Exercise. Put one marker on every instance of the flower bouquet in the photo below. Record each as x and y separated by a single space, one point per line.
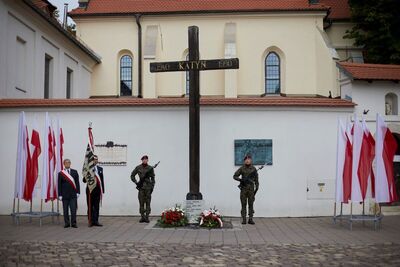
173 217
211 219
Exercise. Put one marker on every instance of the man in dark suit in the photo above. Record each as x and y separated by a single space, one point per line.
68 192
95 196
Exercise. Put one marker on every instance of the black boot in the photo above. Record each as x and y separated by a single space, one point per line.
146 219
251 220
142 220
243 220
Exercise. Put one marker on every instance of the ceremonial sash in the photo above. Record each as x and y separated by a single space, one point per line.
98 181
69 178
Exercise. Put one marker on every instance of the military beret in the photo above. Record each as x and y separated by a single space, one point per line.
144 157
248 156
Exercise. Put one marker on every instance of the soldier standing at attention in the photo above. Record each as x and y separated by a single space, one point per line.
248 186
145 185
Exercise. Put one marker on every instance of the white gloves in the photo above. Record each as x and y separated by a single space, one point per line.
60 197
77 195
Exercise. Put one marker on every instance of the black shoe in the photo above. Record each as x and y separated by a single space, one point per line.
251 221
97 224
74 226
244 220
142 220
67 226
146 220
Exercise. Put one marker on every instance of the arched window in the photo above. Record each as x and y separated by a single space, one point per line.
125 70
187 79
391 106
272 74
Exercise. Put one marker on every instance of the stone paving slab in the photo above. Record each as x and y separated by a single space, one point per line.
24 253
319 230
123 241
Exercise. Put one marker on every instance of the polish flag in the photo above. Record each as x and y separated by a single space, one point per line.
35 145
343 164
385 149
22 171
367 155
60 151
356 195
48 184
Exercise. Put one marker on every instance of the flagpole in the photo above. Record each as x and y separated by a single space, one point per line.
30 211
58 211
363 212
341 211
14 210
52 210
41 210
17 211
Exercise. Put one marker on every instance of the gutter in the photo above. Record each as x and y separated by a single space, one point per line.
140 63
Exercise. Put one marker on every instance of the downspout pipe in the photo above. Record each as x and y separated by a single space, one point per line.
140 65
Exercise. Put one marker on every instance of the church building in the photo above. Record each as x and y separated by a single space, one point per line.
295 79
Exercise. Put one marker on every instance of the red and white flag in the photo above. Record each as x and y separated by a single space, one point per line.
385 149
365 169
49 161
60 151
34 173
356 195
343 163
22 171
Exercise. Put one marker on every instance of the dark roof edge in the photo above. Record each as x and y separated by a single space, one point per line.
198 12
67 34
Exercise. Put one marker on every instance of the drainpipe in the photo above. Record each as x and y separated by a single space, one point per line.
138 16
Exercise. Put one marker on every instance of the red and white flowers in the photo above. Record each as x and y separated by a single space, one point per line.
211 218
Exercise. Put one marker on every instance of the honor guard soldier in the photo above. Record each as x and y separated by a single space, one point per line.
68 191
248 187
145 185
93 198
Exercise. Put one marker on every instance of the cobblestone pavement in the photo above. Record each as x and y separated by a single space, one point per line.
272 241
131 254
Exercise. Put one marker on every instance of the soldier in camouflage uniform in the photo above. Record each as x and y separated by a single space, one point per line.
145 185
248 186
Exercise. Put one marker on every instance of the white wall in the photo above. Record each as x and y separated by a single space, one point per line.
304 148
25 38
372 96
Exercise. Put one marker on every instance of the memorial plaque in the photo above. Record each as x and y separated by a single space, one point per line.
111 154
259 149
193 210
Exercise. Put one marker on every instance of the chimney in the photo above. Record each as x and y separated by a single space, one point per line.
83 3
65 16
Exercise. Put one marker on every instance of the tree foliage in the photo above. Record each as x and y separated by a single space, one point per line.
376 29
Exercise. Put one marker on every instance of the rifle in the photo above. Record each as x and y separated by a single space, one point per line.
244 182
139 184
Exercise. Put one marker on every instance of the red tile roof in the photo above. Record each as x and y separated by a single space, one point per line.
140 102
358 71
102 7
340 9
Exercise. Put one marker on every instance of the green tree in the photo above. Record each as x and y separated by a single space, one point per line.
376 29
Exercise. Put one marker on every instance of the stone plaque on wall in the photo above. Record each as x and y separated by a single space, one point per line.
259 149
111 154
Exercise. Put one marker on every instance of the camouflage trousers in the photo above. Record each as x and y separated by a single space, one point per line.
144 196
247 196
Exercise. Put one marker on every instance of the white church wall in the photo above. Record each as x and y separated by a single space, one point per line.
371 96
304 152
25 39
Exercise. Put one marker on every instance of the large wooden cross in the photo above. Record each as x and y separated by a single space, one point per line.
194 65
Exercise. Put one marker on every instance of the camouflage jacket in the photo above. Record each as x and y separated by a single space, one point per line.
248 173
144 172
